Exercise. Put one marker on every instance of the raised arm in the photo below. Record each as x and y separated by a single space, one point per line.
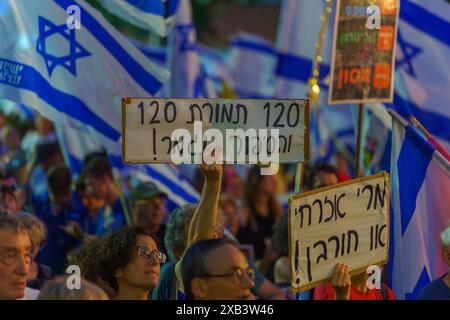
203 223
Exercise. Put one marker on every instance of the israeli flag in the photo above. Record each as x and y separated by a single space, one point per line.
298 33
156 54
155 15
423 65
72 73
420 189
216 66
191 80
376 140
254 62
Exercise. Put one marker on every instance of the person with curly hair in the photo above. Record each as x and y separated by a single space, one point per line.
90 260
131 260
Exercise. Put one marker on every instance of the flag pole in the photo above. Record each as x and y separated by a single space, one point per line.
299 177
359 140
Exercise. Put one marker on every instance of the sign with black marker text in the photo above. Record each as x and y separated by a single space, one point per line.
181 130
346 223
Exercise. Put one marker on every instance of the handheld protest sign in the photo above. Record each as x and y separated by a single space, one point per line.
346 223
363 56
238 130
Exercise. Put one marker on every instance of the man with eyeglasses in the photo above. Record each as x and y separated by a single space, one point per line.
148 209
214 269
15 257
131 263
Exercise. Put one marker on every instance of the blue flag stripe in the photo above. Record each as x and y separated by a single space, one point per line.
134 69
425 21
173 5
148 6
72 106
240 43
438 125
117 162
298 68
171 185
411 174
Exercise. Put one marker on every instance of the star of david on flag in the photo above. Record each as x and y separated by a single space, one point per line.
77 78
47 30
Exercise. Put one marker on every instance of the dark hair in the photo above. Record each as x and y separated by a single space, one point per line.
59 178
280 237
90 259
11 222
118 249
95 154
195 262
251 188
315 170
97 167
44 151
6 190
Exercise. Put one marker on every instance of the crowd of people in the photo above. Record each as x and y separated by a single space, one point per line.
232 244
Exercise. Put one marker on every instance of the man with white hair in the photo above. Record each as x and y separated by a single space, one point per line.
439 289
15 257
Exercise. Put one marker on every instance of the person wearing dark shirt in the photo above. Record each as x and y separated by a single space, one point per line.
148 209
100 184
55 215
260 212
439 289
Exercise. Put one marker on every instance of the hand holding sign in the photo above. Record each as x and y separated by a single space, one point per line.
341 282
346 223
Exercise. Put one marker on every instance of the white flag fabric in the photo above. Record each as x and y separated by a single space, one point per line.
420 211
423 65
190 80
77 78
254 61
154 15
298 33
72 76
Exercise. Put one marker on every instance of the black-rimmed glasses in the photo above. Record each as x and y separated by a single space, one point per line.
240 274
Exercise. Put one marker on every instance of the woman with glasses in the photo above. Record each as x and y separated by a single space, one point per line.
131 259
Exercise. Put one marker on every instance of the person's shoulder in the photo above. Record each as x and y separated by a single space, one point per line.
167 280
428 291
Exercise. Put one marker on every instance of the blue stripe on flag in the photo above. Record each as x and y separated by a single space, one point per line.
438 125
65 103
245 44
135 70
172 9
75 164
298 68
412 173
148 6
423 20
176 189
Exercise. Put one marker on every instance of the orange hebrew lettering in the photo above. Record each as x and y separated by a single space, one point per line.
385 38
382 76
